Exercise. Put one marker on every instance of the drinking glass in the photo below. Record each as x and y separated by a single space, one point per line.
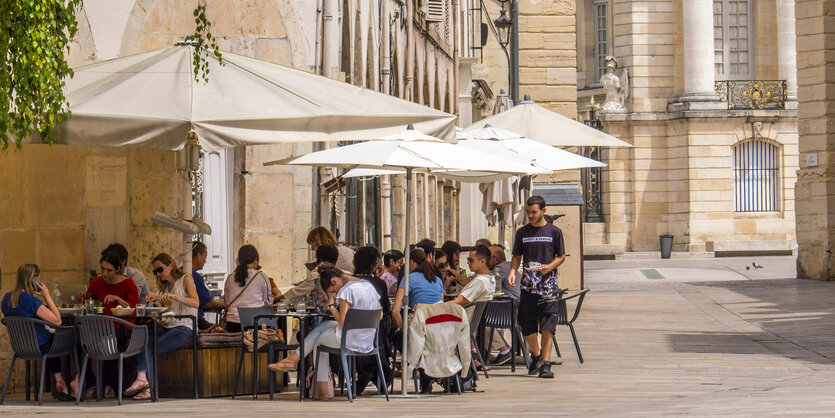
301 307
140 309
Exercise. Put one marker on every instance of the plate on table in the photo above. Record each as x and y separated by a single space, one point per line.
155 310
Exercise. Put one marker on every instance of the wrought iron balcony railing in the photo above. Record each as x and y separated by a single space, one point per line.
753 94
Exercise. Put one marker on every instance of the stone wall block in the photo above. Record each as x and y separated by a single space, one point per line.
19 246
151 195
548 58
104 226
172 16
106 181
148 162
278 51
146 243
274 248
61 249
259 17
53 185
11 205
270 201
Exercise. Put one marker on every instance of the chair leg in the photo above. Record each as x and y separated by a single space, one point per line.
556 347
81 379
151 382
43 373
121 373
315 370
523 346
490 343
238 372
458 382
8 378
381 377
347 377
481 359
414 377
472 365
271 374
576 345
99 378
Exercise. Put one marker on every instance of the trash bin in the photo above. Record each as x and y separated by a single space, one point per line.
666 245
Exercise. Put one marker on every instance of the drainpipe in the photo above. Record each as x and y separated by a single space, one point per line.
410 51
385 181
315 194
455 24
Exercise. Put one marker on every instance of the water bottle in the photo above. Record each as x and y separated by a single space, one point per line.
56 296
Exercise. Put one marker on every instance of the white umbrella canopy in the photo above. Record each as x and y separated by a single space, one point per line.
151 100
409 151
538 123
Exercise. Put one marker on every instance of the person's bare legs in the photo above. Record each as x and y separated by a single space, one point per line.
533 343
546 345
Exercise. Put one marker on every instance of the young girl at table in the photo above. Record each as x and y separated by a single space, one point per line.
350 293
112 289
246 287
23 301
177 289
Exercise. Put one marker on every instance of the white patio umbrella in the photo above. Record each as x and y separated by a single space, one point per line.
150 100
538 123
408 151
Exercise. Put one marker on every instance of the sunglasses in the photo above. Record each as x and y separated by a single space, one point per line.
158 270
442 265
470 259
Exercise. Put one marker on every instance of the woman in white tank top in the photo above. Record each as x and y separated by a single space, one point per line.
178 292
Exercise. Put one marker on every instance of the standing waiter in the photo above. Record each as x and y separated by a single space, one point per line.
541 245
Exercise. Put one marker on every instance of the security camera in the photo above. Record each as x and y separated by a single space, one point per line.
195 226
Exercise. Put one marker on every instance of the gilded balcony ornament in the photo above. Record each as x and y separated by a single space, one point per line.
753 94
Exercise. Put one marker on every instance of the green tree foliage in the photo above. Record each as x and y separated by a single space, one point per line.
34 36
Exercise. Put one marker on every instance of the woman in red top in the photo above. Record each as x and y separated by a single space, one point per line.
112 289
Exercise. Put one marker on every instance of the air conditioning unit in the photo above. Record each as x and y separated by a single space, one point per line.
434 10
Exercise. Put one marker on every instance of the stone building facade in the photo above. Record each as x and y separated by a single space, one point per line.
62 204
711 112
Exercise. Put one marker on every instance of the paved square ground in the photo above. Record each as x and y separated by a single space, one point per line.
695 337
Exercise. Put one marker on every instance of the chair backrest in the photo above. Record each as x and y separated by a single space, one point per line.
247 316
100 341
23 336
361 319
478 314
498 314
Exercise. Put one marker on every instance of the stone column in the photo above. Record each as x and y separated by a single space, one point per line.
698 51
787 46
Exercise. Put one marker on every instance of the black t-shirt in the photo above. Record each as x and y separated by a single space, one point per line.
382 289
541 244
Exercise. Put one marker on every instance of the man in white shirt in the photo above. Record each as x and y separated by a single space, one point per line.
481 287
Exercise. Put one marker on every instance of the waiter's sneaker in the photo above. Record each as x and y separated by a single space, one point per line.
502 358
545 371
534 366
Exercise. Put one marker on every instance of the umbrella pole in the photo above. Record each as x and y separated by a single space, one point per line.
404 364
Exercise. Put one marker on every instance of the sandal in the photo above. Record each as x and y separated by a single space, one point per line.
140 388
143 396
282 366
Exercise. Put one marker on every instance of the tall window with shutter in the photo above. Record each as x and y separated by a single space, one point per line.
733 39
601 35
756 176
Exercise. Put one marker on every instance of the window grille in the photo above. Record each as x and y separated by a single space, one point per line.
601 39
756 177
732 39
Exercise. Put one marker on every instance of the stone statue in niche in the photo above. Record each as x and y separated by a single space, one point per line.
616 86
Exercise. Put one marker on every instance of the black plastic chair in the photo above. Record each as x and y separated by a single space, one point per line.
475 323
247 317
24 341
100 343
562 319
501 314
356 319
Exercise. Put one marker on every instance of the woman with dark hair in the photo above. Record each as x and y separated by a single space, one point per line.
112 289
23 301
393 262
350 293
452 250
424 286
246 287
176 290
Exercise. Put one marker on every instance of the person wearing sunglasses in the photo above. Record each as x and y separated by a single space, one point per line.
393 262
176 290
482 286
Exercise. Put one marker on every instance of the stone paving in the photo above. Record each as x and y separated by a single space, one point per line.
702 337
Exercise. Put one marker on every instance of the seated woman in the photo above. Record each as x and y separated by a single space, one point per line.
350 293
176 289
112 289
324 254
23 301
247 287
393 261
424 286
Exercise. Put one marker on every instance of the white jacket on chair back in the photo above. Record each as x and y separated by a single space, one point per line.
438 333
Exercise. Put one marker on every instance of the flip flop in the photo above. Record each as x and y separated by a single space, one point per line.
136 390
277 367
143 396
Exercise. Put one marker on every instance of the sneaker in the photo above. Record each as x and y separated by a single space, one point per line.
545 371
502 359
535 363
